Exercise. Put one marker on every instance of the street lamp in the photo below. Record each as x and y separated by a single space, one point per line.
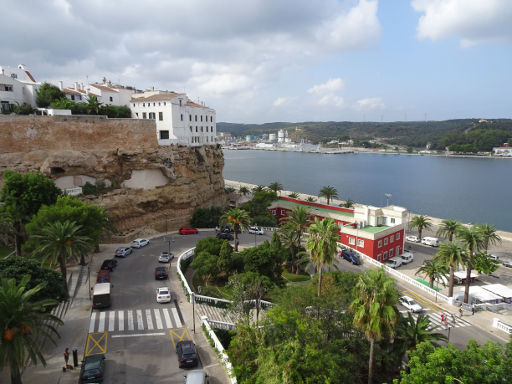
388 195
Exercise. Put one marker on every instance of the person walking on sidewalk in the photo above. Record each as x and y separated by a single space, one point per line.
66 359
454 318
473 309
460 310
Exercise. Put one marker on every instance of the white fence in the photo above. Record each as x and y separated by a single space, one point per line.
73 191
497 323
220 349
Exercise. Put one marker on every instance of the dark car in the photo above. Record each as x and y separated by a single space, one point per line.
109 264
93 368
123 251
187 356
350 256
225 236
103 276
226 229
161 273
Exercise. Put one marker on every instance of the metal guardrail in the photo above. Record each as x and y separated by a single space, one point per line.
497 323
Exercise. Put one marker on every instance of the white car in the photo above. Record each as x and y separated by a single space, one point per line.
394 263
165 257
138 243
256 230
412 239
163 295
410 304
407 257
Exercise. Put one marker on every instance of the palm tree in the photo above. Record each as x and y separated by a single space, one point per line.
311 199
296 223
348 204
471 239
93 105
432 270
421 222
329 193
293 195
323 236
23 322
240 220
60 242
450 254
489 235
417 331
448 228
258 188
374 309
276 186
243 191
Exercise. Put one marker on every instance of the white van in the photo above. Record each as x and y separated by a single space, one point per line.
407 257
197 376
432 241
101 295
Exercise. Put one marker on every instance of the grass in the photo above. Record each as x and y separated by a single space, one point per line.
292 277
4 251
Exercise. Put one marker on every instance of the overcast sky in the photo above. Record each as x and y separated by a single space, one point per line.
258 61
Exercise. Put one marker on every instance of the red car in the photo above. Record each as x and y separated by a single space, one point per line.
103 276
188 231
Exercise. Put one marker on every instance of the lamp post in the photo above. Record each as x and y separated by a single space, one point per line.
388 195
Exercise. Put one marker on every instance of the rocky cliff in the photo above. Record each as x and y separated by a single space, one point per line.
151 186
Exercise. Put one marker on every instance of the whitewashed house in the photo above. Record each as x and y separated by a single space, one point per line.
178 119
506 150
17 85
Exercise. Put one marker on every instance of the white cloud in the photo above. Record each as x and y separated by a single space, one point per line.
331 85
370 103
471 21
280 101
331 100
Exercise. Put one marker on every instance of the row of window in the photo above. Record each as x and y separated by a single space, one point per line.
283 212
6 87
154 104
195 118
391 239
197 129
151 115
352 241
206 139
386 254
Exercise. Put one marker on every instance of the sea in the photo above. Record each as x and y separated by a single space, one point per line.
468 189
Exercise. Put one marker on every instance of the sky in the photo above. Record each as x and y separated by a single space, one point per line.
257 61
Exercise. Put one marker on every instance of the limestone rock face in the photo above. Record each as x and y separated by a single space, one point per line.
151 186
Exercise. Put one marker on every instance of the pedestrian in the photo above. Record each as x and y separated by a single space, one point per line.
454 317
473 309
442 317
460 310
216 229
66 359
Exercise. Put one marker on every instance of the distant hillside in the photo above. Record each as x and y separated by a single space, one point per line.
469 134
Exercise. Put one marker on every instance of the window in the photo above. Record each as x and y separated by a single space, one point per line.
143 104
378 257
154 104
212 129
196 128
160 116
143 115
190 117
191 129
360 243
165 103
385 255
6 87
211 119
385 241
201 129
206 128
152 115
206 138
390 253
79 97
398 236
351 241
213 140
274 212
111 98
283 212
180 102
164 135
72 97
391 238
196 117
158 103
392 220
137 114
379 244
134 104
182 117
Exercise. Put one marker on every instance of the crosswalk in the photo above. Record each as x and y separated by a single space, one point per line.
135 320
435 319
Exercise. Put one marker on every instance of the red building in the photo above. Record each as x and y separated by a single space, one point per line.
373 231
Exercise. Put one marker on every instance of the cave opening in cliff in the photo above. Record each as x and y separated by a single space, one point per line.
56 170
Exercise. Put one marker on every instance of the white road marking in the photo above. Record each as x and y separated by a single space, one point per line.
111 320
140 334
140 324
167 318
120 316
149 320
176 317
92 322
130 320
158 319
101 325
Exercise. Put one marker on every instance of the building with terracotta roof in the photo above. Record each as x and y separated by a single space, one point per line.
106 93
17 86
178 119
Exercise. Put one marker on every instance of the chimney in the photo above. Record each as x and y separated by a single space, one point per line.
60 85
82 86
76 86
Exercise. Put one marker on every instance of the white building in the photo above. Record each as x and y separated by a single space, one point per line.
107 94
502 151
17 85
178 120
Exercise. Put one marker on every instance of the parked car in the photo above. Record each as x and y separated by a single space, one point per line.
187 355
161 273
394 263
188 231
165 257
412 239
494 257
163 295
103 276
507 264
197 376
407 257
350 256
109 264
226 229
410 304
123 251
225 235
432 241
93 369
256 231
138 243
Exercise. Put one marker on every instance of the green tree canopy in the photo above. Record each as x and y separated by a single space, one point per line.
239 219
258 207
421 222
329 193
48 93
450 255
